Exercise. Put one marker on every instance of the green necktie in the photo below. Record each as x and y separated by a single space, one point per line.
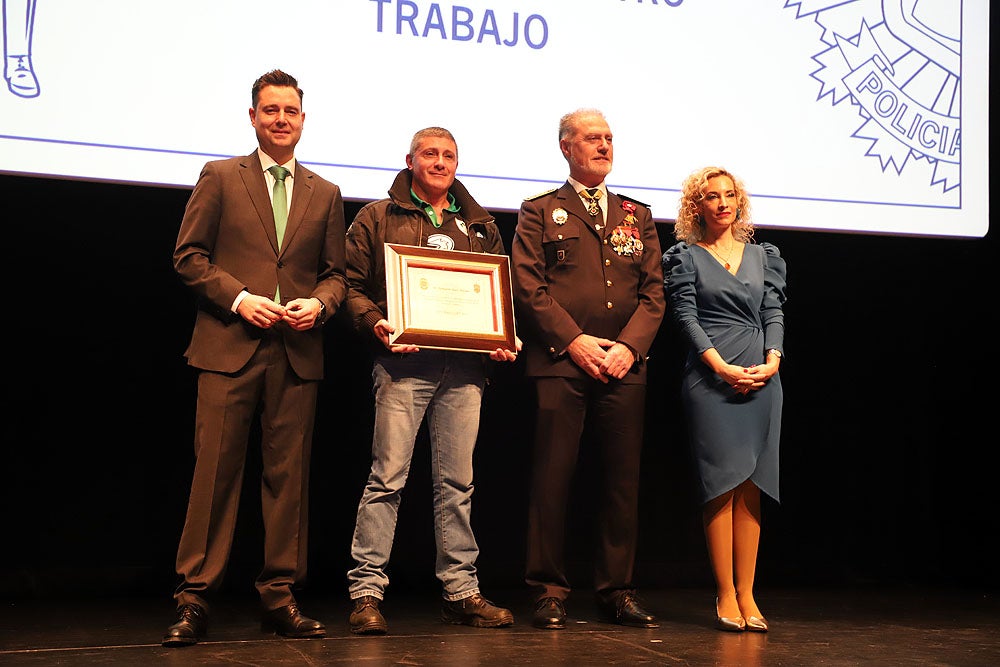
279 203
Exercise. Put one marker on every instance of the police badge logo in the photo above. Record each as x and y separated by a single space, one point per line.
560 216
899 64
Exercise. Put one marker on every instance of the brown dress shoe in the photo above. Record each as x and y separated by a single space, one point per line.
288 621
476 611
550 614
191 624
366 619
626 610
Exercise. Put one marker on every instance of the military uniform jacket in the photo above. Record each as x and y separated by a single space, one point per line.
574 275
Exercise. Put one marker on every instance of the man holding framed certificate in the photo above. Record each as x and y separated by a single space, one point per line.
439 376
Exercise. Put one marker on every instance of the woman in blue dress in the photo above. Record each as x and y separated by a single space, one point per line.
725 294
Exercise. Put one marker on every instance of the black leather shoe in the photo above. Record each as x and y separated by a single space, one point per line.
191 624
626 610
550 614
366 619
288 621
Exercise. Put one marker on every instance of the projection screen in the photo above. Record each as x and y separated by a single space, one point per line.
850 115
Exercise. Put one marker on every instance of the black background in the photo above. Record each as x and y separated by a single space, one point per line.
888 445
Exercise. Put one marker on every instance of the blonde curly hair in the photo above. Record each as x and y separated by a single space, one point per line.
690 227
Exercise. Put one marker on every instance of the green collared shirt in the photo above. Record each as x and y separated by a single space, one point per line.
429 210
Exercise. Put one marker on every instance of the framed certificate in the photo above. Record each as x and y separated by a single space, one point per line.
449 299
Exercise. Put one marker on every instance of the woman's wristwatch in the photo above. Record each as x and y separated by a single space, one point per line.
775 351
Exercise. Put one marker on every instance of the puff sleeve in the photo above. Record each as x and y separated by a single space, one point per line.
771 313
680 287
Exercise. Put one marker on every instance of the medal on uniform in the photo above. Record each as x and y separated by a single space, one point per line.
625 239
559 216
592 196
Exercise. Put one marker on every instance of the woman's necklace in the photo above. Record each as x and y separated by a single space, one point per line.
725 260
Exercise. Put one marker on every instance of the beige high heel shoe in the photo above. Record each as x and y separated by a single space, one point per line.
757 624
736 624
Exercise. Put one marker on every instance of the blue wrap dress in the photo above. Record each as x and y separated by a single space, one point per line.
734 437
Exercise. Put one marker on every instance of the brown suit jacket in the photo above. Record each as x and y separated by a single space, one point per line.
568 279
227 243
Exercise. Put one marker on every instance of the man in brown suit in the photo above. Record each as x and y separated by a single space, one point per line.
588 291
264 285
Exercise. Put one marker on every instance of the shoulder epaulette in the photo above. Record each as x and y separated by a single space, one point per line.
540 194
634 201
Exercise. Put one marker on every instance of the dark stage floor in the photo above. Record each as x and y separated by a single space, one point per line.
808 627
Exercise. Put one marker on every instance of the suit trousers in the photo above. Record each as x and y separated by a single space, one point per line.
227 404
613 414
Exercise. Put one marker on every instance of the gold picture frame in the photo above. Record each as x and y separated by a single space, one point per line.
449 299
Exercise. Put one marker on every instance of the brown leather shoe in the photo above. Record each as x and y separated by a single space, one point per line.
366 619
476 611
191 624
626 610
288 621
550 614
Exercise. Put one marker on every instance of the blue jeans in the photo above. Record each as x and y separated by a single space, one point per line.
447 387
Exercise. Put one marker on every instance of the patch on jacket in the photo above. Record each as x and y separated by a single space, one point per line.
441 242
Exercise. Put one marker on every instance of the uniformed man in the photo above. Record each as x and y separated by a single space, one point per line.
588 292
